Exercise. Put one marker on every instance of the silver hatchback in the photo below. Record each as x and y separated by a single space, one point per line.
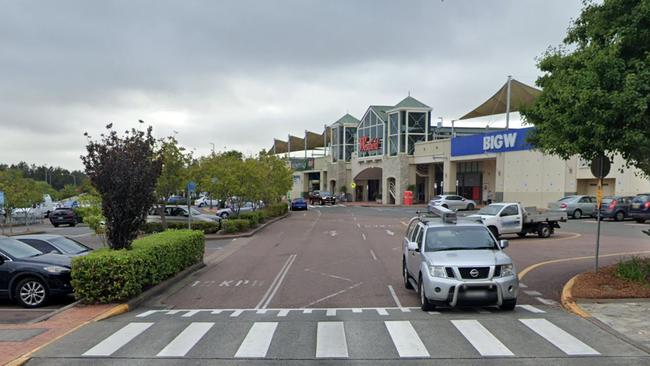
452 202
576 206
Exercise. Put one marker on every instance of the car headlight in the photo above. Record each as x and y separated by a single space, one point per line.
56 269
438 271
507 270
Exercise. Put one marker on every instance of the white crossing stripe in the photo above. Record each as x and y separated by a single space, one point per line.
356 310
216 312
406 340
257 341
558 337
173 312
533 293
381 311
118 339
184 342
283 312
483 341
531 308
330 340
261 311
146 313
330 312
307 311
190 313
236 313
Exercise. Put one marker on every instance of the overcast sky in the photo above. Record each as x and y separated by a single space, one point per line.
239 73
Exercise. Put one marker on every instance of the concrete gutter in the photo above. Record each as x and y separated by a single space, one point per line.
569 303
247 234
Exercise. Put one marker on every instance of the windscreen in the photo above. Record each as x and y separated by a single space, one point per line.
458 238
490 210
17 249
68 246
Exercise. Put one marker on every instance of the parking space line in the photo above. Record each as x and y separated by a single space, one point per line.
372 253
394 295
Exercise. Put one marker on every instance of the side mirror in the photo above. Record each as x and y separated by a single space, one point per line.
413 246
504 244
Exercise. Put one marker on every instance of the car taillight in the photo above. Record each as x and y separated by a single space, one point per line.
563 205
647 205
613 204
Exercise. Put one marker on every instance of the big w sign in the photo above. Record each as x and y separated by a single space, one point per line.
494 142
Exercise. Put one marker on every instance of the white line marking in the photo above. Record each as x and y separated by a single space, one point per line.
522 285
531 308
190 313
283 313
406 339
390 232
357 310
330 312
482 311
277 281
364 236
330 340
374 257
405 310
261 311
547 301
533 293
359 226
236 313
334 294
173 312
146 313
195 283
216 312
558 337
483 341
392 293
434 312
257 341
306 311
118 339
382 312
184 342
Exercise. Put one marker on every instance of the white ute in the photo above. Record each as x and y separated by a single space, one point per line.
511 218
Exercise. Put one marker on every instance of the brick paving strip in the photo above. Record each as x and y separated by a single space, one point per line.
17 340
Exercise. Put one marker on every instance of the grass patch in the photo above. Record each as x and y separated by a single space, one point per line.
635 269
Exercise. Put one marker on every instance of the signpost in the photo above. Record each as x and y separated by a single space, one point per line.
191 187
2 198
600 167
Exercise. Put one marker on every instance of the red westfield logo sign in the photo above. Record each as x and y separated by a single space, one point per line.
366 144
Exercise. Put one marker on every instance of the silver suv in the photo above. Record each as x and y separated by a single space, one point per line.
455 263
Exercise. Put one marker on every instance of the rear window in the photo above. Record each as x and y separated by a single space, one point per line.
641 198
17 249
607 201
69 246
569 198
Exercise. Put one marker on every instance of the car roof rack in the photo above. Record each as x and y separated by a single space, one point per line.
446 215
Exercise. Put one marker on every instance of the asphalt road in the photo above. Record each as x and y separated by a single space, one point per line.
326 285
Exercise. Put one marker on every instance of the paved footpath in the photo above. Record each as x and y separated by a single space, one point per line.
630 317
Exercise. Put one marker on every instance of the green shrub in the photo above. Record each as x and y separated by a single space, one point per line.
235 225
276 209
156 227
636 269
252 217
105 275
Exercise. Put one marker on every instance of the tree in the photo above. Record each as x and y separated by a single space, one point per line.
19 192
124 170
174 172
68 191
596 86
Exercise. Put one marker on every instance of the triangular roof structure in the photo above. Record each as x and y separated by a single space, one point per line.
381 110
520 95
279 147
347 119
410 102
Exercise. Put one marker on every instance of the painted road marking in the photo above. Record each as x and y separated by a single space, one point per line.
382 311
190 313
394 295
330 312
547 301
531 308
364 236
118 339
522 285
283 312
257 341
277 281
146 313
481 339
173 312
261 311
406 339
357 310
372 253
330 340
184 342
216 312
306 311
334 294
236 313
390 232
532 293
558 337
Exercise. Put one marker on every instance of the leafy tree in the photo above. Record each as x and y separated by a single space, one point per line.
124 170
174 173
19 192
91 209
596 86
68 191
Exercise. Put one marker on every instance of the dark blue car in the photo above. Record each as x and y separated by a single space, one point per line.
640 208
298 204
176 200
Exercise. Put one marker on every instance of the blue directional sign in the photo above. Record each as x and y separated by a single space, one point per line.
2 198
191 186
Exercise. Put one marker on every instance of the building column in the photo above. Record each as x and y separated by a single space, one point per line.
449 177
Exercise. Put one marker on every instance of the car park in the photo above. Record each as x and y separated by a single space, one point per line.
57 244
64 216
452 202
640 208
512 218
457 263
205 201
298 204
615 207
576 206
232 210
29 277
179 214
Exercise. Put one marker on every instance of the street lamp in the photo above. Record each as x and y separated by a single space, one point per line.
74 179
212 143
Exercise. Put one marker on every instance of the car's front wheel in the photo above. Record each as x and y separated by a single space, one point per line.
425 304
620 216
470 207
31 292
508 304
224 215
577 214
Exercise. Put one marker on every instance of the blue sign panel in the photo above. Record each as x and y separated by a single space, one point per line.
191 187
493 142
2 199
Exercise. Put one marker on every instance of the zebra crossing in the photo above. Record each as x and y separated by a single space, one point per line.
524 333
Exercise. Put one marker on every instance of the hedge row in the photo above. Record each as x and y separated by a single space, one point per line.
105 275
249 220
206 227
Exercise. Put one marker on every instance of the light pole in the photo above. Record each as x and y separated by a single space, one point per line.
74 179
212 143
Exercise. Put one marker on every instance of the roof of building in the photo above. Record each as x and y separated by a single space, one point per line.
410 102
347 119
381 110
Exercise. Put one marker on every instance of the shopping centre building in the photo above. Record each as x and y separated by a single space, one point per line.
392 149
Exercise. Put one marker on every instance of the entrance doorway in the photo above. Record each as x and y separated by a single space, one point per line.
368 183
470 180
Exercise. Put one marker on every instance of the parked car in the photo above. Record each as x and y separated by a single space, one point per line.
326 197
29 277
227 212
298 204
452 202
576 206
640 207
179 214
512 218
314 197
64 216
176 200
615 207
56 244
204 201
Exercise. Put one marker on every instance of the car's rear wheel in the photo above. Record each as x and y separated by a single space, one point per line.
544 231
470 207
56 225
577 214
405 273
31 292
620 216
224 215
425 304
522 234
508 305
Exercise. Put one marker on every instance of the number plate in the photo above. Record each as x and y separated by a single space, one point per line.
475 294
636 205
